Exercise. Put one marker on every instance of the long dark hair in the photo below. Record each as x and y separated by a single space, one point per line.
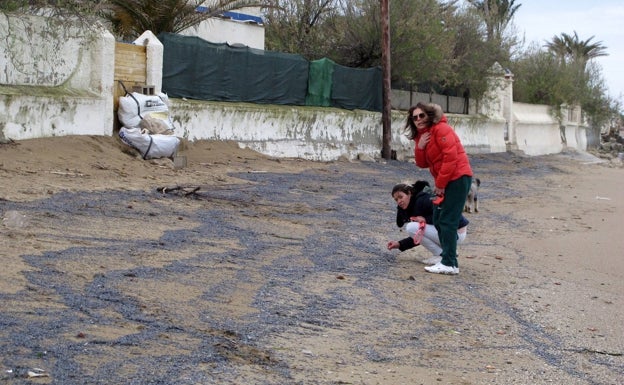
427 109
413 189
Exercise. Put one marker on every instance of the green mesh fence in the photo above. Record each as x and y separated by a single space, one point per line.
357 88
197 69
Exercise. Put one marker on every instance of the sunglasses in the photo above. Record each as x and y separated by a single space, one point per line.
422 115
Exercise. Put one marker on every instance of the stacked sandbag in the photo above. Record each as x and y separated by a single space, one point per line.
147 125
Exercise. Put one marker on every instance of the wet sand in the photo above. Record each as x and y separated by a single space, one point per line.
274 271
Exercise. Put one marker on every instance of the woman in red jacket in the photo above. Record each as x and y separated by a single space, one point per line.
438 148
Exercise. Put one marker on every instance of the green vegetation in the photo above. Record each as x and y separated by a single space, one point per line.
439 46
562 72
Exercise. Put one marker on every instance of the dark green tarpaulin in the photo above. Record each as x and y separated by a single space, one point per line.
331 84
197 69
320 83
357 88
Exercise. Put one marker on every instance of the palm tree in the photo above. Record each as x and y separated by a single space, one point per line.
130 18
570 49
573 55
497 15
558 46
86 10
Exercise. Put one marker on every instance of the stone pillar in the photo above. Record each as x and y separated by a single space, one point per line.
154 51
497 104
507 95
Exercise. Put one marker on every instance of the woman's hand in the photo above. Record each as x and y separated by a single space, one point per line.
393 245
418 219
424 139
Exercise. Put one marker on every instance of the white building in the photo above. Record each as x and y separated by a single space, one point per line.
241 27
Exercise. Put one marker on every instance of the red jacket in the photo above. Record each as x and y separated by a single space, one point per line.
444 155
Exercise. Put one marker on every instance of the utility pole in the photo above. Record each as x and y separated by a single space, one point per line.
386 151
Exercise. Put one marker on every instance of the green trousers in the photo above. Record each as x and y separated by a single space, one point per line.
446 217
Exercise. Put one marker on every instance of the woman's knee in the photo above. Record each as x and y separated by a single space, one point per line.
412 227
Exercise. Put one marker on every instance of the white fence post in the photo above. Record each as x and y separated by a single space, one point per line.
154 52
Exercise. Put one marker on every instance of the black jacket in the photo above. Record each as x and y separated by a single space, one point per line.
421 205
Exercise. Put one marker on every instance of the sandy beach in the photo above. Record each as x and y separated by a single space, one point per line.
245 269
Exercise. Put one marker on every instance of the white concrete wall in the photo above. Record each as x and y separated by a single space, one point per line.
26 116
480 134
56 78
282 131
576 137
537 132
318 133
575 129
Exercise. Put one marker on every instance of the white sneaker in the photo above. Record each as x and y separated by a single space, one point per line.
432 260
440 268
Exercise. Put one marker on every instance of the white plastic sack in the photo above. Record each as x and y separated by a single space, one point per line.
150 146
135 106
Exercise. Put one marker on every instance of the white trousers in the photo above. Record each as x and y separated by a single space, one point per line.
431 240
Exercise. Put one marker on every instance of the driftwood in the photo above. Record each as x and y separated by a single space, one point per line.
205 193
586 350
181 190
